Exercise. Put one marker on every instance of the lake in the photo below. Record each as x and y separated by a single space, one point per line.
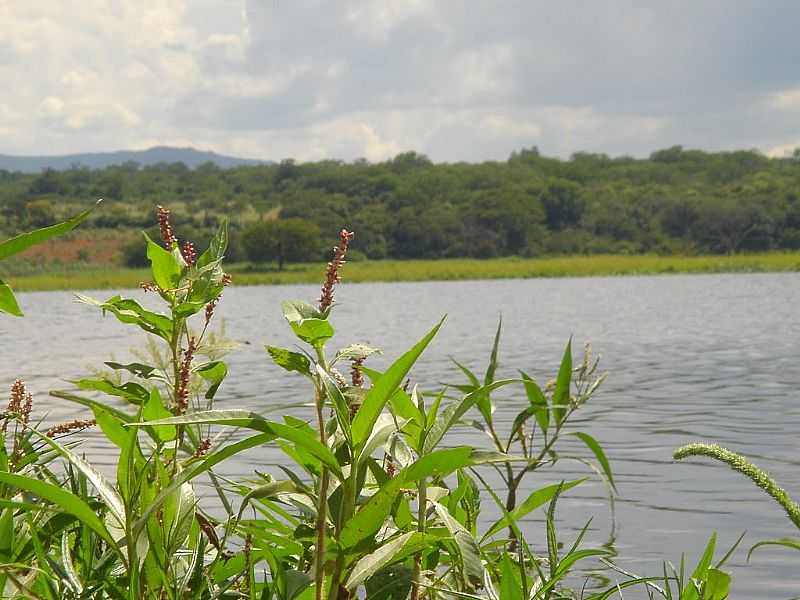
702 357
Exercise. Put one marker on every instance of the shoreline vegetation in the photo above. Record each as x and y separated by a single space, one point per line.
374 504
76 277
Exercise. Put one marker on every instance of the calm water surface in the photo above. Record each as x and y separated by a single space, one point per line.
689 358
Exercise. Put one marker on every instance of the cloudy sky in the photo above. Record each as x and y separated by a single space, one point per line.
457 80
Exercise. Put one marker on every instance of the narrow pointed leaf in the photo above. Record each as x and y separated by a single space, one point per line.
370 564
65 500
536 499
599 454
251 420
454 412
8 303
563 382
384 387
107 492
24 241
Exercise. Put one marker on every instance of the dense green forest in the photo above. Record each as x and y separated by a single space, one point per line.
676 201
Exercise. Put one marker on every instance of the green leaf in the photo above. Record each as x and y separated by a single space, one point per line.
107 492
510 585
356 352
67 501
153 411
164 264
699 574
131 391
130 311
648 582
313 331
7 530
472 566
308 323
385 426
340 407
537 400
384 387
453 413
492 368
792 543
25 240
370 564
536 499
563 381
597 450
268 490
251 420
8 303
138 369
216 247
213 372
198 469
370 517
94 405
390 583
111 427
473 379
291 361
718 585
295 311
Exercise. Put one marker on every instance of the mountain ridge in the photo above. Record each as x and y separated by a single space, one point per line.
191 157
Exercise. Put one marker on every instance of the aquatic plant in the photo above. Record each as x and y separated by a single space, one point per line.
370 501
761 478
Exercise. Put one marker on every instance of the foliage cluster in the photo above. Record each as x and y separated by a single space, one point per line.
674 202
371 500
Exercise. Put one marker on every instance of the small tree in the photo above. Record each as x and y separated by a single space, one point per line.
284 240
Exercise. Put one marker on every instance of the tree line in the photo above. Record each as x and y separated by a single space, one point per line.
675 201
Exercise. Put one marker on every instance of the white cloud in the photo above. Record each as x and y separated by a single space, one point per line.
785 99
456 79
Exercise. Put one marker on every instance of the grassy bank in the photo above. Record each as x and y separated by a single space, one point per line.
436 270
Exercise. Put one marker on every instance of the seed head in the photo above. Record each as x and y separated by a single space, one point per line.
69 427
341 382
356 375
332 276
167 236
210 308
182 401
20 402
389 465
189 253
737 462
202 448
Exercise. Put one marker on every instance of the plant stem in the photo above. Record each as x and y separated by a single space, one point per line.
324 481
422 515
422 512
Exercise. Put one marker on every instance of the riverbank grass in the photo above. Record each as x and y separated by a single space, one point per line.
434 270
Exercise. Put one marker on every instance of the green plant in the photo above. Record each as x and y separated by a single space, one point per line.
23 241
761 478
706 582
370 501
148 537
537 428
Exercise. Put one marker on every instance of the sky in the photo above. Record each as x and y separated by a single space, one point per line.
466 80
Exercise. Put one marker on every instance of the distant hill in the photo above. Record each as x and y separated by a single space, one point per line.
99 160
